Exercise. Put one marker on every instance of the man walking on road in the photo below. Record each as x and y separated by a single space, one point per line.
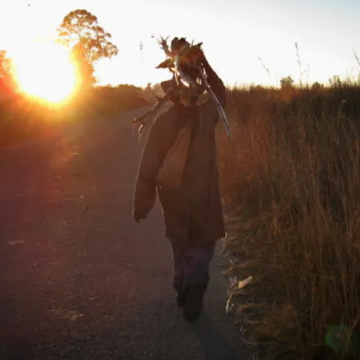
192 205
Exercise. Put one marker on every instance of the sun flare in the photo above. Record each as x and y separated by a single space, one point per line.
45 71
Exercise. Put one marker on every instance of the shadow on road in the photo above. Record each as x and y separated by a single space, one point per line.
213 343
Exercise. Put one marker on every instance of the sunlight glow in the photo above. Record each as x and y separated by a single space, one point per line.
247 31
45 71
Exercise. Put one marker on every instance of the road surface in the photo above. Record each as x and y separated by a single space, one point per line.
79 279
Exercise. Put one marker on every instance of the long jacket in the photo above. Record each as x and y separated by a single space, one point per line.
192 213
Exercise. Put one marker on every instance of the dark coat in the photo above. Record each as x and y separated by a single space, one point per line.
193 213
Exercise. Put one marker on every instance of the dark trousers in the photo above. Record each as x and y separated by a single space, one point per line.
191 265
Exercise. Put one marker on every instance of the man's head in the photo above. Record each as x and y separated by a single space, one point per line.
186 82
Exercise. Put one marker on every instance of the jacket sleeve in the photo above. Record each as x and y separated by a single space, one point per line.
150 163
215 83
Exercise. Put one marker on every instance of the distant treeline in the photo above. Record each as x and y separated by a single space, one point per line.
23 117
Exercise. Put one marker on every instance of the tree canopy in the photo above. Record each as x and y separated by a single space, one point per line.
81 27
286 82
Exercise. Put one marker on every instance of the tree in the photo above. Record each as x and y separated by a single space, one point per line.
286 82
84 68
80 31
7 80
316 86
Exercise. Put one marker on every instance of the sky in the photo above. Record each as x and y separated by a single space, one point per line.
246 41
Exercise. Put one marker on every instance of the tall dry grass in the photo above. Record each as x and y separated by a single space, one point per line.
290 179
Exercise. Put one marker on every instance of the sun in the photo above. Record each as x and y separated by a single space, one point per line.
45 71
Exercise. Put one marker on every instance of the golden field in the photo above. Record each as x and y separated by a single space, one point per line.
290 180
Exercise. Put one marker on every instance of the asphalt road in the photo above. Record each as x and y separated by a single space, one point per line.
79 279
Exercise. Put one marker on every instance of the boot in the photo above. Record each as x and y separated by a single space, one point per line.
180 298
194 301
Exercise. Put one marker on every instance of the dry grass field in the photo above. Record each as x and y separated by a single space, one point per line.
290 179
